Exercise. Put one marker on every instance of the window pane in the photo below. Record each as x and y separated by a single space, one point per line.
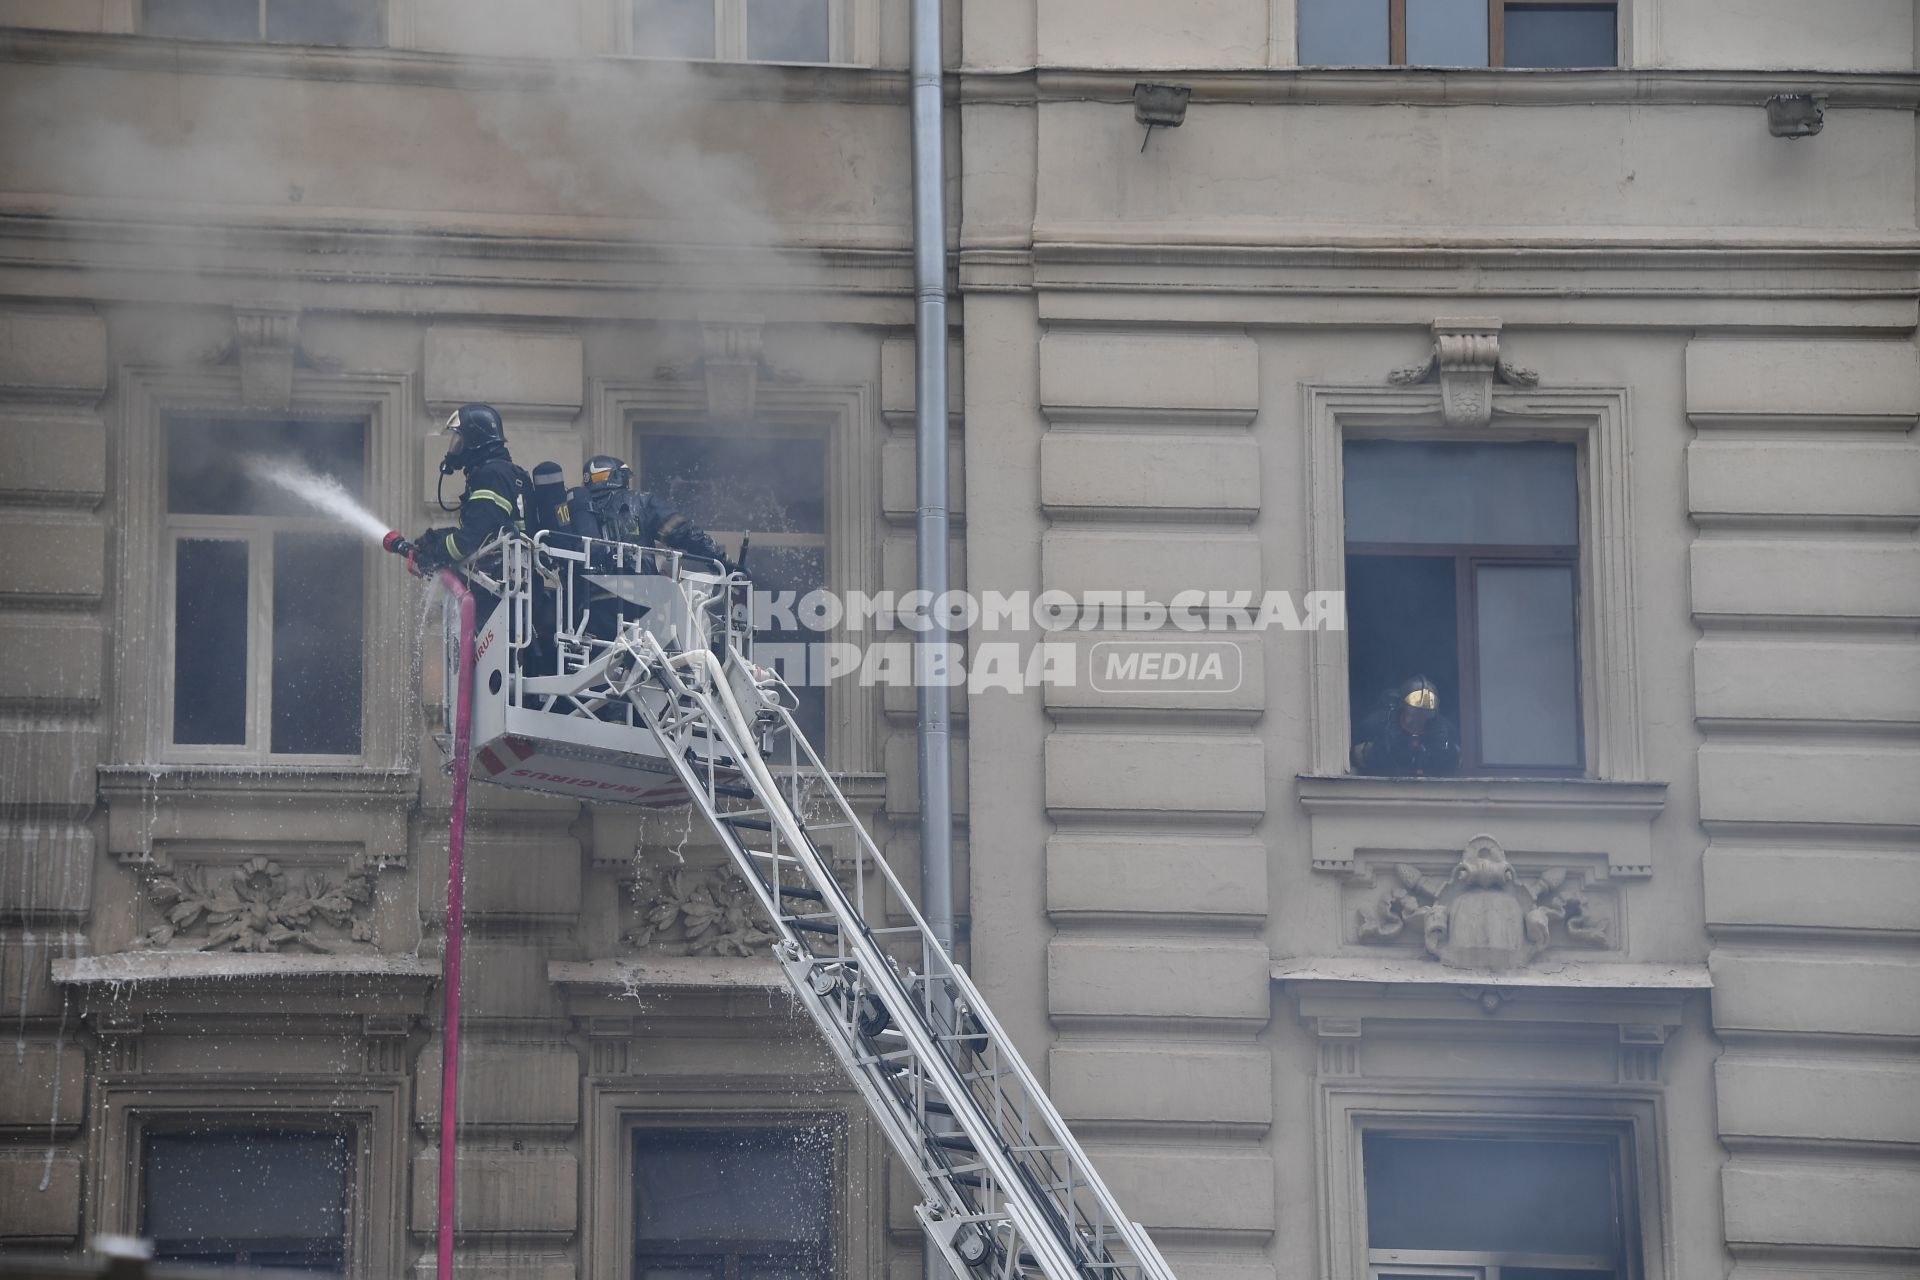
734 1186
207 470
1476 494
1529 686
261 1197
799 570
318 599
204 19
1447 33
210 641
787 30
755 484
1343 33
1560 35
1401 623
673 28
342 22
1491 1195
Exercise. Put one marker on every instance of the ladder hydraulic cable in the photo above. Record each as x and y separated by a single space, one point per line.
1007 1189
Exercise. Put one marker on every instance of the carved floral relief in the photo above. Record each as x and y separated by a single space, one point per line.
695 911
1484 914
257 906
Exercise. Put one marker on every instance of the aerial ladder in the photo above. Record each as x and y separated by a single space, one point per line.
622 674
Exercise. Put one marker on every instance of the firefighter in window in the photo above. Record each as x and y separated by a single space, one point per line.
1406 736
476 447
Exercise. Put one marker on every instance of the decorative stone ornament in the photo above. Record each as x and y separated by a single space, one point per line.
267 342
732 363
1484 915
1466 360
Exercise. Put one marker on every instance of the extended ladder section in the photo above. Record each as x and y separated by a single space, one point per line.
617 666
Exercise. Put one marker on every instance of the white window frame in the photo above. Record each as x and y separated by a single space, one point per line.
257 532
1592 419
144 574
846 32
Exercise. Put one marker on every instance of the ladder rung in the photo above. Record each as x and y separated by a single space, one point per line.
751 824
799 891
814 926
954 1141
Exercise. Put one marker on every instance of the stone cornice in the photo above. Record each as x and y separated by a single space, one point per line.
1435 87
720 81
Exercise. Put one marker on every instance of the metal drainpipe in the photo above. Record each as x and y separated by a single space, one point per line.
930 434
934 730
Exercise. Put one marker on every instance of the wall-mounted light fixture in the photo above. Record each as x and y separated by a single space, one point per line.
1796 115
1160 106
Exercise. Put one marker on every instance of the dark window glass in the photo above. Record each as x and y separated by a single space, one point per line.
317 603
734 1204
359 23
1462 566
757 485
673 28
1400 624
204 19
1529 711
1343 33
249 1197
751 483
207 472
787 30
210 642
799 570
1494 1195
1446 33
1483 494
1560 35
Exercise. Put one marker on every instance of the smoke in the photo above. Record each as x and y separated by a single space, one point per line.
322 493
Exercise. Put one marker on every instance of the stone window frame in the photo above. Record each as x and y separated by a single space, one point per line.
372 1113
1347 1111
621 407
142 673
617 1108
1595 420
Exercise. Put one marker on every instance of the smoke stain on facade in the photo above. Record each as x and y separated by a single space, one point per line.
1595 397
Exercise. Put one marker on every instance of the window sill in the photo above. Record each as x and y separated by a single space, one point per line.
1542 814
112 972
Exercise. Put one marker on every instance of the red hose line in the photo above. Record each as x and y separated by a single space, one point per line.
456 921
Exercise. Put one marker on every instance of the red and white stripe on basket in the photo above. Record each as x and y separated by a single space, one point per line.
490 760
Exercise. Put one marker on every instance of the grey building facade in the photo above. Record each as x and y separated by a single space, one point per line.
1591 388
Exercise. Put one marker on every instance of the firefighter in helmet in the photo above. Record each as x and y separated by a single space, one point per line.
606 506
476 447
1406 736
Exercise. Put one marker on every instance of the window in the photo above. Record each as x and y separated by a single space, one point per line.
1448 1206
735 1203
257 1197
358 23
1462 565
267 597
751 30
1458 33
767 486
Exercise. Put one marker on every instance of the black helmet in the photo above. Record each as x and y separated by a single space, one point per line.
606 474
475 434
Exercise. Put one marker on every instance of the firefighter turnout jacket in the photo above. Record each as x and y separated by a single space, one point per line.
489 505
625 516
